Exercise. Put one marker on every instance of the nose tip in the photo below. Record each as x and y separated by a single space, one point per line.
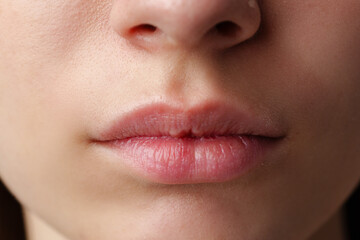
186 23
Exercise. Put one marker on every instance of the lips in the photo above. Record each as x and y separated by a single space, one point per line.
207 143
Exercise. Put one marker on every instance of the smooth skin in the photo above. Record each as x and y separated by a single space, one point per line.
68 67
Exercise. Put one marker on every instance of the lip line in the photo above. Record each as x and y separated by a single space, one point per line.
206 120
194 138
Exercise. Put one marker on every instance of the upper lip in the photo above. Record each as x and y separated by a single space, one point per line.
203 120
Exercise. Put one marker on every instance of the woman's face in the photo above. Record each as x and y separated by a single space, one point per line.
69 68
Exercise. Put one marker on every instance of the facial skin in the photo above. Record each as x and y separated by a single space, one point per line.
67 67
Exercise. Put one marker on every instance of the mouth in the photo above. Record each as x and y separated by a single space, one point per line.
208 143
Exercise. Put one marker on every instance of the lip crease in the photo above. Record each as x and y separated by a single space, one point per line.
207 143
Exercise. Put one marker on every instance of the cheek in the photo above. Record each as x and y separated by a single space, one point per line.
311 51
326 43
37 131
44 32
41 37
321 94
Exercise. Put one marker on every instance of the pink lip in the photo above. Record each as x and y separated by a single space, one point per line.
208 143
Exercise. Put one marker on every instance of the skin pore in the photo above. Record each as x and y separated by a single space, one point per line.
69 67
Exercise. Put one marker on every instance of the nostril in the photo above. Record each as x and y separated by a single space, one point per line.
227 28
143 29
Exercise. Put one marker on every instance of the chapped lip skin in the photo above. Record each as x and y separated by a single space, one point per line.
207 143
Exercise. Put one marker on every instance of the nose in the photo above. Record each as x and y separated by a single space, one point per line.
185 23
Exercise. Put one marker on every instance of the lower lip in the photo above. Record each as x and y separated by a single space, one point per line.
170 160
